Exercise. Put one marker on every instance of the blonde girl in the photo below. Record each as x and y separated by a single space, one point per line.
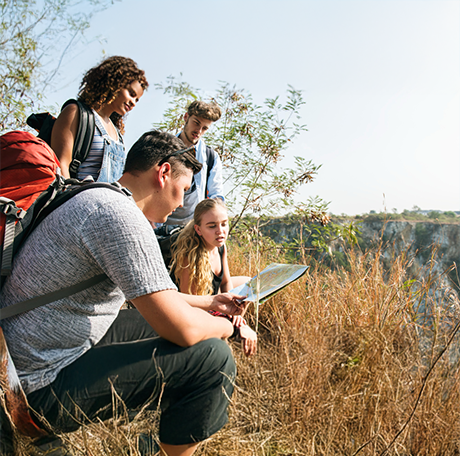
200 263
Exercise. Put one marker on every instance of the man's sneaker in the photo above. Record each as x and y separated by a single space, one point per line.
50 446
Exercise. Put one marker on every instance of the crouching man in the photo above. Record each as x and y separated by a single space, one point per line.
65 368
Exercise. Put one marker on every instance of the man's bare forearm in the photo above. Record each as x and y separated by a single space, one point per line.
227 303
176 320
201 302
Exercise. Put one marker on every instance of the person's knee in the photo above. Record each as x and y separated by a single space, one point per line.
220 356
197 408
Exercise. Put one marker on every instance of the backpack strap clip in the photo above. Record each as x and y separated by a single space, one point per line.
73 167
10 209
13 213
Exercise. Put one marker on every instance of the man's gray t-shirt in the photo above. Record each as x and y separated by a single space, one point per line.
97 231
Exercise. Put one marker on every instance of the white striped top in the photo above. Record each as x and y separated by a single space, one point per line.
92 165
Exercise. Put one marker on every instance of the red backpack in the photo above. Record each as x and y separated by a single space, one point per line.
28 166
31 187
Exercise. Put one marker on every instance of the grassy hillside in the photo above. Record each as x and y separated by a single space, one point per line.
346 366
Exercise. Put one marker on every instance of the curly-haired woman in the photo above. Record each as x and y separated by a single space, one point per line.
111 89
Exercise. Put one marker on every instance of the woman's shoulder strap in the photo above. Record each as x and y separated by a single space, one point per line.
85 134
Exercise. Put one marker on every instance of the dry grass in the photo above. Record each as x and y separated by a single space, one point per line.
340 371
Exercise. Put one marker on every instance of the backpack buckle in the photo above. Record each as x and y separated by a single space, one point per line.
74 165
10 209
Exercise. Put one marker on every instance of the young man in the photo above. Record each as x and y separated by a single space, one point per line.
208 182
65 369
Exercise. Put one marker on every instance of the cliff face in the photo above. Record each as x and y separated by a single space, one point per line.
418 236
433 254
436 245
421 239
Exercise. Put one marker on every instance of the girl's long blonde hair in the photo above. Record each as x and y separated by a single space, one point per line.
189 252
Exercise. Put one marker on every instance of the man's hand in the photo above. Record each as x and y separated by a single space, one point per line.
229 304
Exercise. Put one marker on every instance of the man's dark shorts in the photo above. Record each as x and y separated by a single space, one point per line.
195 383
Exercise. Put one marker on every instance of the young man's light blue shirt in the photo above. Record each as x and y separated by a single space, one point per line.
198 189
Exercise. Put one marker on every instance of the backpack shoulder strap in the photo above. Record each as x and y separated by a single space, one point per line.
210 162
38 301
84 138
38 216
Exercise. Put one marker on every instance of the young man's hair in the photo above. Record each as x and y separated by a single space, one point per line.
210 111
156 146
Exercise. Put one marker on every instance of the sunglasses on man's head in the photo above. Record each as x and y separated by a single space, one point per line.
175 154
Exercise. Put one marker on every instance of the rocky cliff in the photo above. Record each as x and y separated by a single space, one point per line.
420 239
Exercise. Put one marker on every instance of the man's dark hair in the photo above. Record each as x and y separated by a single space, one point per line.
210 111
155 146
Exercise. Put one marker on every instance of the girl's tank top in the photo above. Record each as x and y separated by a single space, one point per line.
217 280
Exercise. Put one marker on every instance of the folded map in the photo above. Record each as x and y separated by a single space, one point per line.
272 279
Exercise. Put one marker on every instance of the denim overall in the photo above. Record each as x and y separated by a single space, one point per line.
114 157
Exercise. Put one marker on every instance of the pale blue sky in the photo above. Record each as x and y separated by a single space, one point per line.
381 81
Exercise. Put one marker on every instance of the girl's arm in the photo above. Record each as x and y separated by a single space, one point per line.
63 136
226 284
185 281
249 338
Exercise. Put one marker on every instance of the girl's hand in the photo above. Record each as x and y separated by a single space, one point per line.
249 340
238 321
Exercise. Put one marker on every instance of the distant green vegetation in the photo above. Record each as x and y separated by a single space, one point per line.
414 215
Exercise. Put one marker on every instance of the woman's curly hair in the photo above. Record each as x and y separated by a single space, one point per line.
189 252
102 83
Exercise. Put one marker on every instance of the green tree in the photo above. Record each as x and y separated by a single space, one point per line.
250 140
34 37
434 214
